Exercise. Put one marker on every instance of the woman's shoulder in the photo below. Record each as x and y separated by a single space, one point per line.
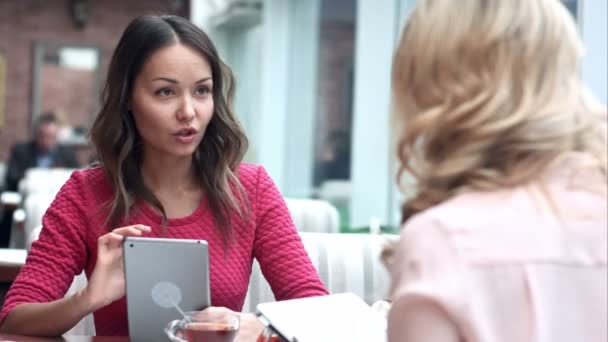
471 211
247 171
252 175
256 182
90 181
93 176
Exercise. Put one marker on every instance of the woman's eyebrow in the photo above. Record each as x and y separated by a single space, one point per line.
166 79
203 80
170 80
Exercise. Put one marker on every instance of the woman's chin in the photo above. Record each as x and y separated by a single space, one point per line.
184 153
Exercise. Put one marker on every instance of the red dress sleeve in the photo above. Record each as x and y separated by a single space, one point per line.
278 247
59 254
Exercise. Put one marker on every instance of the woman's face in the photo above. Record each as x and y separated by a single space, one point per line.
172 101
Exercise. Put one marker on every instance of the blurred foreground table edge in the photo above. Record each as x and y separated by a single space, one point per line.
19 338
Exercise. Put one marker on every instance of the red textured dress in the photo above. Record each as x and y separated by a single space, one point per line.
75 220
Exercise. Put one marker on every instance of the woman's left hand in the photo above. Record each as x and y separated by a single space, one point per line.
250 327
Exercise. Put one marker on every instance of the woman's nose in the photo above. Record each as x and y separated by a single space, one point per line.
186 111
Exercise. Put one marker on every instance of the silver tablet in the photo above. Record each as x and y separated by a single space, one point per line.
163 276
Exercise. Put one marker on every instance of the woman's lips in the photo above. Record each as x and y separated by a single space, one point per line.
185 139
185 135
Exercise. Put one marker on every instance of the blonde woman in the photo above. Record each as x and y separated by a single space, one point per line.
505 236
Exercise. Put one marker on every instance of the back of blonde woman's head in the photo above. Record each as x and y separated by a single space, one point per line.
487 93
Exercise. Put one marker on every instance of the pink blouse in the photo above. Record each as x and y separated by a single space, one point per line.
524 264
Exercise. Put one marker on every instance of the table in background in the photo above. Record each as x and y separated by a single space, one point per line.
11 260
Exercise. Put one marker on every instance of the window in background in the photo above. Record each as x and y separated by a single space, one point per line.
66 82
333 124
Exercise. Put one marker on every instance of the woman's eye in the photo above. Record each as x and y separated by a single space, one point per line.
203 90
164 92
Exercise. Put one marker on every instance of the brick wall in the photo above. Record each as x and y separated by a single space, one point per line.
24 22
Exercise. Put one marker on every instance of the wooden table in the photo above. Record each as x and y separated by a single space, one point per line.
17 338
11 260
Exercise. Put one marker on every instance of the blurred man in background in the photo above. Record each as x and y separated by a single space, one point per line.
42 151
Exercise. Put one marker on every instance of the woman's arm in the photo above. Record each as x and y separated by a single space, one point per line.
33 318
426 291
35 303
278 247
104 287
420 321
59 253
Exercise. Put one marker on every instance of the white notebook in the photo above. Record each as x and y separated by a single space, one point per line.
338 317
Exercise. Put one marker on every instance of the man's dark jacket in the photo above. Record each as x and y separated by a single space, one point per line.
25 156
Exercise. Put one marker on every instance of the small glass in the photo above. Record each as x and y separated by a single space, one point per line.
199 326
269 335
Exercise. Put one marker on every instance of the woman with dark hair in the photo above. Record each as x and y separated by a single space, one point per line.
170 151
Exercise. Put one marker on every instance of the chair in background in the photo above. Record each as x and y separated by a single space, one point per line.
35 206
339 194
43 180
29 216
345 262
41 185
311 215
2 173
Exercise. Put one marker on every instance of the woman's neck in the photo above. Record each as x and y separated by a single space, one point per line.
162 175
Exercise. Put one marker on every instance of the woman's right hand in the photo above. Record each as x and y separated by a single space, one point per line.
107 283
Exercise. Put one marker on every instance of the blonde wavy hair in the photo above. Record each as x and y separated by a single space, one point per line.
487 93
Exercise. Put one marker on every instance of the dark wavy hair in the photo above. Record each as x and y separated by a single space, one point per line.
117 140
